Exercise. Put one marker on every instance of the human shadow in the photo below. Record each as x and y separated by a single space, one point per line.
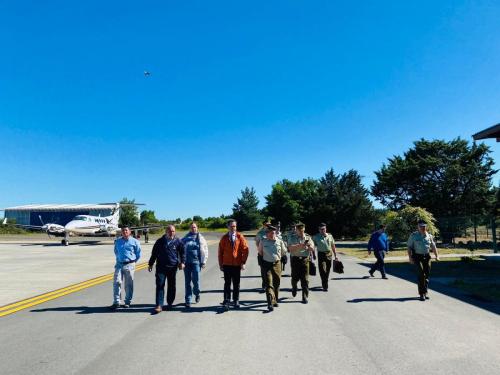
351 278
251 290
401 299
139 308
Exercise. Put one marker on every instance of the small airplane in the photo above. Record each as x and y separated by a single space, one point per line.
85 225
146 73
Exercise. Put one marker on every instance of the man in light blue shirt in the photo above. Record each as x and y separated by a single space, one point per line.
127 252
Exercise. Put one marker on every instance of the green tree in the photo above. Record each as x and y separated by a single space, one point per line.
148 217
246 211
450 179
290 202
129 215
400 224
344 205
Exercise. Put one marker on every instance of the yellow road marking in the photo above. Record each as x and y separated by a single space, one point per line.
33 301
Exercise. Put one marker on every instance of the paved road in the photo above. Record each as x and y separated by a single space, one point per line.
362 326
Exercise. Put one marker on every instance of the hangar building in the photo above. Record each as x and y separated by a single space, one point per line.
54 213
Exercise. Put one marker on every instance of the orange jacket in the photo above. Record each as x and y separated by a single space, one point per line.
230 255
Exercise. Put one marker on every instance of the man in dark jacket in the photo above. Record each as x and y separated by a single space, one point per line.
379 243
168 252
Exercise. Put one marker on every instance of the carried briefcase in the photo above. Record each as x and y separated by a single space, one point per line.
338 267
312 268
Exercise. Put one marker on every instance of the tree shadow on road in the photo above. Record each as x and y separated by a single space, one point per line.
408 273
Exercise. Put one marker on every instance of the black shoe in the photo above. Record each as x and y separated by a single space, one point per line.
187 305
422 297
225 304
114 306
270 308
236 304
197 299
371 273
294 292
275 304
305 301
325 289
169 307
126 306
426 296
385 277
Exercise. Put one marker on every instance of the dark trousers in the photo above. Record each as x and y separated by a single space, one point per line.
272 273
423 264
260 260
168 274
300 271
325 265
232 275
379 264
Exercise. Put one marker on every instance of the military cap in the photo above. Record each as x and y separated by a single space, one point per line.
321 225
300 224
422 223
270 228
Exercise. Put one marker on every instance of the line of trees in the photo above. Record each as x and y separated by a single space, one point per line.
449 183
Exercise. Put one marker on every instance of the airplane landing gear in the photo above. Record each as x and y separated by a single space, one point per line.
65 242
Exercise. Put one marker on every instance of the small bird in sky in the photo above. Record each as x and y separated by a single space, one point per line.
146 73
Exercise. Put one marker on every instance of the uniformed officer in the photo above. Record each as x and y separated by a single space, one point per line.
420 244
325 245
258 237
301 247
272 249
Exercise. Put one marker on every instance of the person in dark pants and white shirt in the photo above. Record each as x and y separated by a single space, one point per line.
168 253
379 243
232 254
127 252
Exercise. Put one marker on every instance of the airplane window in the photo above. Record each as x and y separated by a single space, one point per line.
83 218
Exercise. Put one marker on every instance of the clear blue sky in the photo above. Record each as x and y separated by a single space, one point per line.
240 94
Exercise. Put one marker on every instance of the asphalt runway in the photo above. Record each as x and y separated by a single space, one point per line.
361 326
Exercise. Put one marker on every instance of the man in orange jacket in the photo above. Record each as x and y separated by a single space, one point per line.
233 254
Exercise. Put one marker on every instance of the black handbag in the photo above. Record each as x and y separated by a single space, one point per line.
338 267
312 268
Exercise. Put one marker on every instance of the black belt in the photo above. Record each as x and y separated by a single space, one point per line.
130 261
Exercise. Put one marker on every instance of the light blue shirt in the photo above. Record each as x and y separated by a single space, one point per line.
127 250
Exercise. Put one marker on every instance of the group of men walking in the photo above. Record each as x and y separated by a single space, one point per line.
190 254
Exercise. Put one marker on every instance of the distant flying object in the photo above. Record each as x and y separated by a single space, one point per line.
146 73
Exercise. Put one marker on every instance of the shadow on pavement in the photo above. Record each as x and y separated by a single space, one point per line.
402 299
350 278
408 272
145 309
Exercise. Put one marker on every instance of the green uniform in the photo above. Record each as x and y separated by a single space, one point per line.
273 250
258 237
299 261
324 246
420 246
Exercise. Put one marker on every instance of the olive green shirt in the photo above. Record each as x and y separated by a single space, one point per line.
421 244
323 244
273 250
294 239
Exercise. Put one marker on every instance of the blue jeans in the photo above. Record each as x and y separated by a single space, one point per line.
124 274
192 275
165 274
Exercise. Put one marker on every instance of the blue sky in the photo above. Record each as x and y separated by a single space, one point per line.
240 94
